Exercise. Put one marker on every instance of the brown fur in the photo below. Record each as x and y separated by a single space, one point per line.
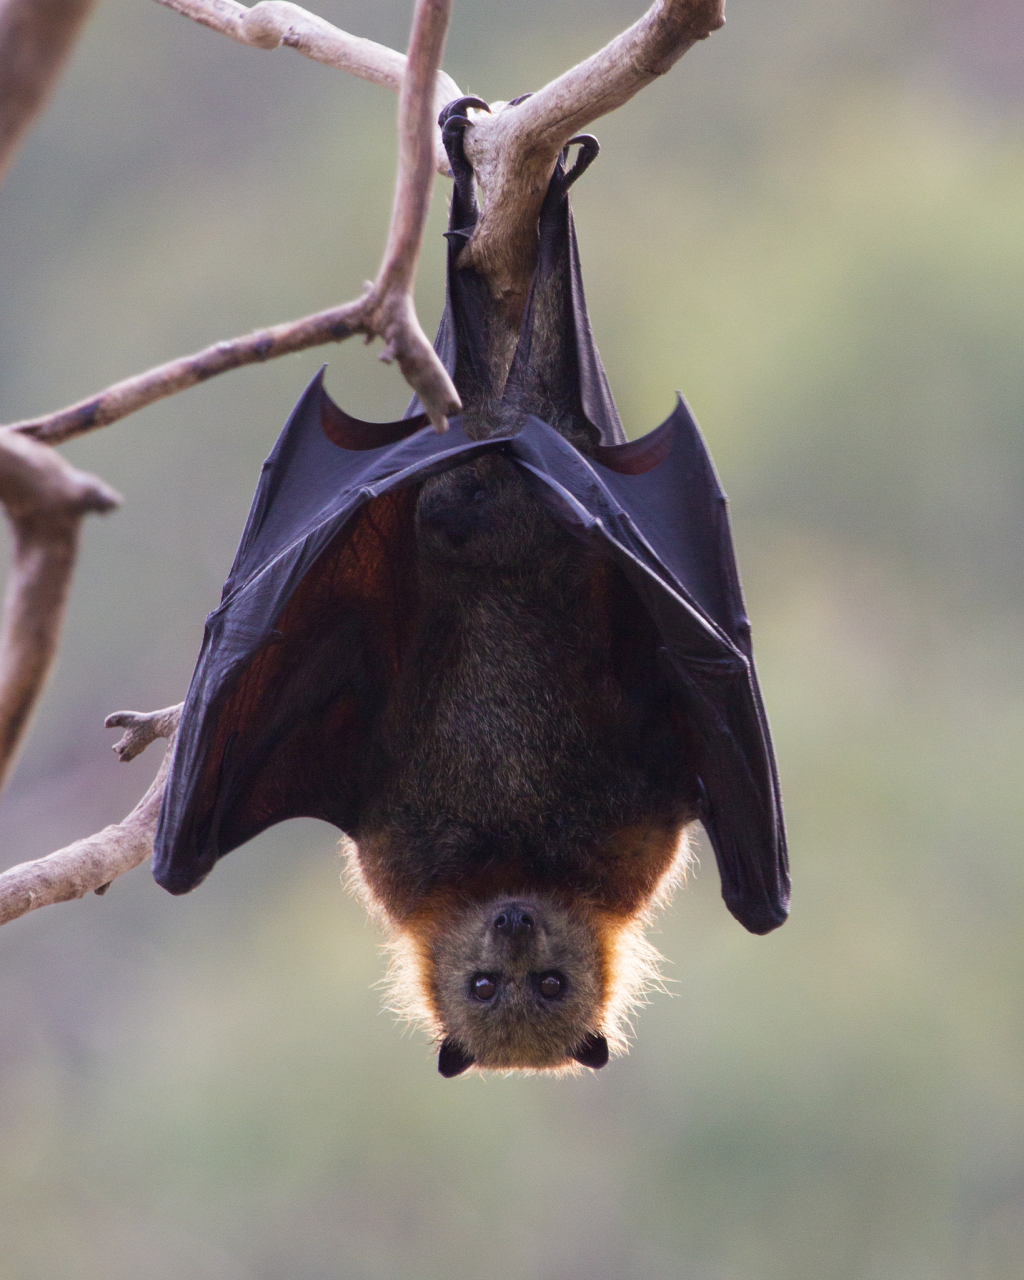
606 957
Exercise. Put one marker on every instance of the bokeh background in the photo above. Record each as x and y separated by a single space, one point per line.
814 227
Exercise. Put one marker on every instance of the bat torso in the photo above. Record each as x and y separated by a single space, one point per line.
524 736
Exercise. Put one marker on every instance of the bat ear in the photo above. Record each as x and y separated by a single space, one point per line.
453 1059
592 1052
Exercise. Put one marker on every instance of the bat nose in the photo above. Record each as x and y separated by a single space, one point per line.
513 922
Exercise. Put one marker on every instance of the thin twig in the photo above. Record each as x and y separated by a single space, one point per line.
273 23
391 305
514 149
44 499
143 389
89 865
35 39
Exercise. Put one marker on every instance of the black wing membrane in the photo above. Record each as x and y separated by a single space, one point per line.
298 659
656 507
557 371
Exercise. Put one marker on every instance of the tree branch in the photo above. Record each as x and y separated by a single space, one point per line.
44 499
35 39
387 310
273 23
134 393
89 865
391 306
514 149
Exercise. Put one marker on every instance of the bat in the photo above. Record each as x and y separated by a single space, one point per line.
511 663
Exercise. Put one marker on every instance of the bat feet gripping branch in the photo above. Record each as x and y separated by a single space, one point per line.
454 123
589 150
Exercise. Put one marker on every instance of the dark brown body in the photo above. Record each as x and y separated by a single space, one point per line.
518 744
528 749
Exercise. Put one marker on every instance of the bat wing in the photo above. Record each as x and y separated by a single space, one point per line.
656 507
297 660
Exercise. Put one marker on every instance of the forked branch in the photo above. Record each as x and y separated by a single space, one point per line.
514 149
513 152
387 309
44 499
89 865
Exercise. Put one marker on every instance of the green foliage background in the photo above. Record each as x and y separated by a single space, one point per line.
814 227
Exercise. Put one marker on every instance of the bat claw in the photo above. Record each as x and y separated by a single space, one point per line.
451 130
459 106
589 150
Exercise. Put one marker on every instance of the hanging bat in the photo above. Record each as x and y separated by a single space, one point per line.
511 663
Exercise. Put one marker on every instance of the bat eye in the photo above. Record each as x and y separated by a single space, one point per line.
551 986
484 987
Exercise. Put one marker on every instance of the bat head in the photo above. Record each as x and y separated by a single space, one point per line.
519 983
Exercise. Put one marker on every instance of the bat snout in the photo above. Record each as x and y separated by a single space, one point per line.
513 921
518 932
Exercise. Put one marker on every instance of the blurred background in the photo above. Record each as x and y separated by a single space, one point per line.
814 227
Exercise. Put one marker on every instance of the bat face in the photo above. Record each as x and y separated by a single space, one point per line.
519 984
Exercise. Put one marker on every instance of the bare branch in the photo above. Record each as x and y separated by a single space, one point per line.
143 389
273 23
386 310
513 150
35 39
391 305
89 865
44 498
141 728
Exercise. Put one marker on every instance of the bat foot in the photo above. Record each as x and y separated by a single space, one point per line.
588 153
454 123
459 108
452 135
